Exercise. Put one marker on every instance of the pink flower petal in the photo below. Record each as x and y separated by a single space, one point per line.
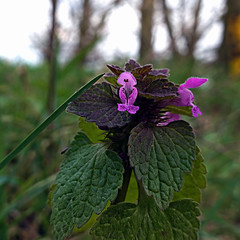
185 97
193 83
122 95
126 77
122 107
127 93
196 111
169 117
132 109
133 96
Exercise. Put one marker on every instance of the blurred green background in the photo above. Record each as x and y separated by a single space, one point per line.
29 93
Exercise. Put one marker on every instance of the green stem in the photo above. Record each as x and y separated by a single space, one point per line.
45 123
123 191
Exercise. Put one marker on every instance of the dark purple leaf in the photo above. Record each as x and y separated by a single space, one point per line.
140 72
99 104
131 64
160 73
158 89
115 69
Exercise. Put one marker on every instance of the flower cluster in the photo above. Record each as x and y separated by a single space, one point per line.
136 93
128 95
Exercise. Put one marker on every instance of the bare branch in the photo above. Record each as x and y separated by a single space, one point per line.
146 49
193 36
166 14
51 58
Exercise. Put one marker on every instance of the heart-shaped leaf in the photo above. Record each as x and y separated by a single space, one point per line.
161 156
99 104
89 177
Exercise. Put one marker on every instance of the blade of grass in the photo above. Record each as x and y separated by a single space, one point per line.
45 123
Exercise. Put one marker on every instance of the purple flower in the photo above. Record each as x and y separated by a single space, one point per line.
127 93
169 117
186 97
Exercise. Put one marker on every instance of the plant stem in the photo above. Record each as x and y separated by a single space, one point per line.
123 191
46 122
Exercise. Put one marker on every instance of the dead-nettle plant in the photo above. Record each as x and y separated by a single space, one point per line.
134 163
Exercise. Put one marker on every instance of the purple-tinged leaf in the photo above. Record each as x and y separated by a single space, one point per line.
115 69
160 73
99 104
158 89
131 64
140 72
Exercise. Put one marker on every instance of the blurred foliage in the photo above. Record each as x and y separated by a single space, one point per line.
25 182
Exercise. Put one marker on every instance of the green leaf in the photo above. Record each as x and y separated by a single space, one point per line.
182 215
160 156
99 104
91 130
111 78
193 181
183 110
89 177
146 221
90 222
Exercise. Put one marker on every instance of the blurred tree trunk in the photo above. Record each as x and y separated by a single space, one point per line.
193 35
166 16
146 48
52 50
188 33
90 31
85 25
229 51
52 58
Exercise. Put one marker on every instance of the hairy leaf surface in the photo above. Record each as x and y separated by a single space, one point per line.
146 221
160 156
99 104
89 177
158 89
